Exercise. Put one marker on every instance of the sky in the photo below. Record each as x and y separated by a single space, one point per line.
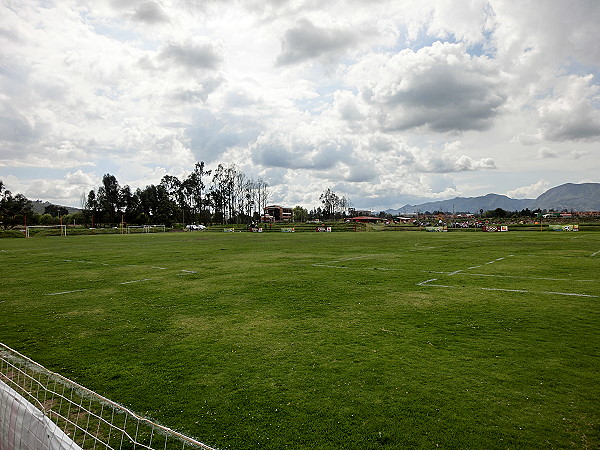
383 102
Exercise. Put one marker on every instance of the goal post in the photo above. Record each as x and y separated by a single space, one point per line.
62 228
154 228
41 409
133 228
145 228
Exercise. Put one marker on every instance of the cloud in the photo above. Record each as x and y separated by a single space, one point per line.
447 161
570 114
441 88
298 151
532 191
384 100
63 191
150 13
546 152
307 42
346 106
198 93
196 53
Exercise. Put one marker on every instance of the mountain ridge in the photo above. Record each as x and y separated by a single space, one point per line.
569 196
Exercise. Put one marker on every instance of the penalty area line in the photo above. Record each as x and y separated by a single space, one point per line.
427 283
511 276
136 281
67 292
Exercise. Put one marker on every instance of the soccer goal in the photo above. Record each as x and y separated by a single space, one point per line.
62 229
135 229
40 409
154 228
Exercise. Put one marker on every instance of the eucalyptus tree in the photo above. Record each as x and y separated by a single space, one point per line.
108 198
330 202
14 209
193 190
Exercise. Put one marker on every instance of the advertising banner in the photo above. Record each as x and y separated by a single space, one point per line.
436 229
564 227
492 228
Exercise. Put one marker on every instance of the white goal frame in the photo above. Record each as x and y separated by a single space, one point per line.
63 228
44 410
152 228
130 227
146 228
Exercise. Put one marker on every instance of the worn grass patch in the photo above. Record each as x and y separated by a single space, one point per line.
324 340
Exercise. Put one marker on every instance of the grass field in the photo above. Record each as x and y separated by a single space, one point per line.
323 340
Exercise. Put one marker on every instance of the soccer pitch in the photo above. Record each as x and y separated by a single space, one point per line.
323 340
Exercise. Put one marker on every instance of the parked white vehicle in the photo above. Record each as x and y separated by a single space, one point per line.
195 227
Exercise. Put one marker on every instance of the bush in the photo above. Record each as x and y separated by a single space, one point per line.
11 234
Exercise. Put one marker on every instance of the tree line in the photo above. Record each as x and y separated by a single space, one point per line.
223 195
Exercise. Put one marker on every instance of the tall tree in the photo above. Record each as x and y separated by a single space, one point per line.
108 197
300 214
13 208
330 202
193 188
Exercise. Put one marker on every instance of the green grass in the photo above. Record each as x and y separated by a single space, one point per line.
323 340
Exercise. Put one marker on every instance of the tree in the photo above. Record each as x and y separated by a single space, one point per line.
108 197
331 203
300 214
130 203
193 190
173 188
56 211
13 209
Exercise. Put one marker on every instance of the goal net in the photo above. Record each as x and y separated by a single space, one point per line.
58 230
154 228
42 410
145 228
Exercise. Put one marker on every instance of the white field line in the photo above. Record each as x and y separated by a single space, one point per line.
136 281
67 292
463 272
523 291
331 264
513 276
572 294
184 272
595 253
481 265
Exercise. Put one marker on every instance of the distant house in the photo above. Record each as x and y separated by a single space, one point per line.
276 213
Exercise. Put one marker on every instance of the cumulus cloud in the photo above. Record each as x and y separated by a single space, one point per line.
546 152
150 12
441 88
298 152
532 191
447 160
197 53
306 41
382 100
570 114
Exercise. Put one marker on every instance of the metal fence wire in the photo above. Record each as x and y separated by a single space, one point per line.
40 410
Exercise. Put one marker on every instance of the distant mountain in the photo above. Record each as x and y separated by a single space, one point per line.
39 206
468 204
575 197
